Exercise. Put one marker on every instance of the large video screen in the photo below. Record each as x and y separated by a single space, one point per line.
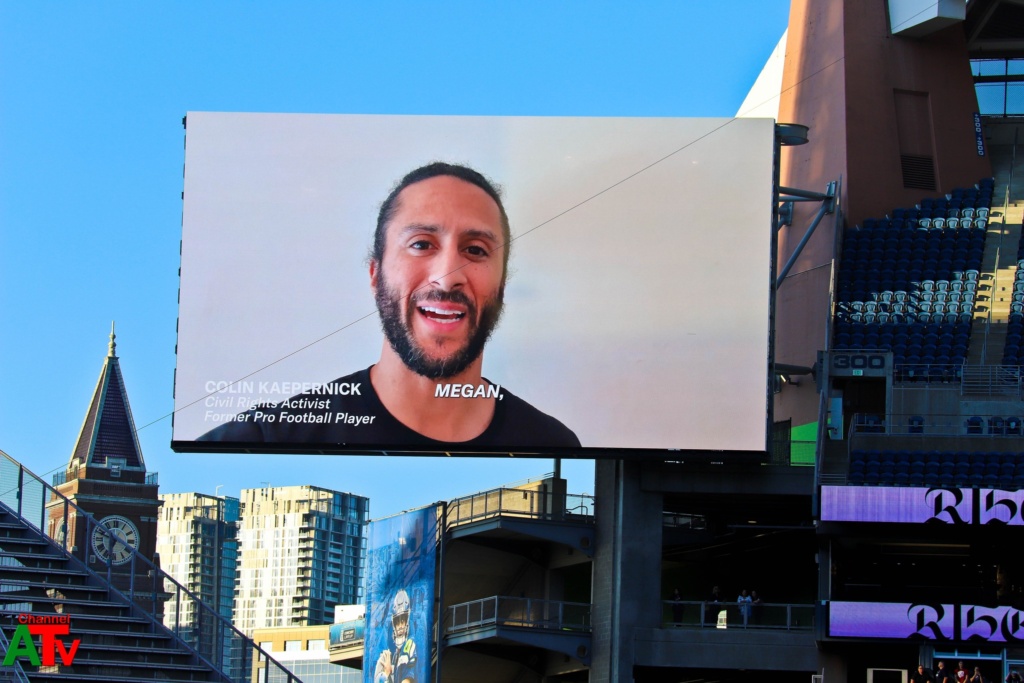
926 621
474 285
921 505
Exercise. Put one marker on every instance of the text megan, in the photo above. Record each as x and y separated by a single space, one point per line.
468 391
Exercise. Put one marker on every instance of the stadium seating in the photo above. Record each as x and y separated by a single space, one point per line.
1013 350
907 283
902 468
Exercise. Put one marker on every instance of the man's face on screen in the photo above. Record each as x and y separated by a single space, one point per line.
440 284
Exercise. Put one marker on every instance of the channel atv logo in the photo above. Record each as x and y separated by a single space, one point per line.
47 627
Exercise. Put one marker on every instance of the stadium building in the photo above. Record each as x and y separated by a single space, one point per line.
896 347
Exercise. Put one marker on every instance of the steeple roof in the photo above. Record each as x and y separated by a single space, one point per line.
108 430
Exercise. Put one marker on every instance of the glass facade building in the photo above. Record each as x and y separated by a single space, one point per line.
301 552
198 546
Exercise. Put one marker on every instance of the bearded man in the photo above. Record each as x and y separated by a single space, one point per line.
437 268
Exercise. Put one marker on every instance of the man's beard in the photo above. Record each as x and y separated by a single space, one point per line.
398 328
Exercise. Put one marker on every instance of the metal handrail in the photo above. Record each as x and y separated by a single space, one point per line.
519 503
821 436
500 610
56 517
936 424
732 614
991 380
152 478
13 671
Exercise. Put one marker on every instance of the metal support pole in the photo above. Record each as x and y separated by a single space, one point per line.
21 489
804 194
441 543
827 207
110 554
66 527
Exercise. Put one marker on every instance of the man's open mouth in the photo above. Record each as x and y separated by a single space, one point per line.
441 315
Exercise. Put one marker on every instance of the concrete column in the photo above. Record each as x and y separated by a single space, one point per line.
627 567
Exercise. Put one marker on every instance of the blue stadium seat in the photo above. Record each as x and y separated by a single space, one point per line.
974 425
887 472
996 425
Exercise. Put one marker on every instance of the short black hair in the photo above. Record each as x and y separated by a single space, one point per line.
433 170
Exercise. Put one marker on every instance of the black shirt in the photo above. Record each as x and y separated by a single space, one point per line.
348 411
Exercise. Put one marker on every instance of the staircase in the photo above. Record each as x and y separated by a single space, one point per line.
1000 259
115 612
117 644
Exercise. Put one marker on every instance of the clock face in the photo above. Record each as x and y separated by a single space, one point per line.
119 543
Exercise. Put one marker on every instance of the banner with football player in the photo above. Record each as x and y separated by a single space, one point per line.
400 587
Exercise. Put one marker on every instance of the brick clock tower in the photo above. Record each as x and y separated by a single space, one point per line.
106 476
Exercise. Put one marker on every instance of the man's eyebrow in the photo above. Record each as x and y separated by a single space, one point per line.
479 233
418 227
472 233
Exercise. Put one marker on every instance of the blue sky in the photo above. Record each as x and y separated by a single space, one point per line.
91 153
